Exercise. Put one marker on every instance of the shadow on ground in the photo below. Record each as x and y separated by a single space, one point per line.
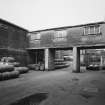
35 99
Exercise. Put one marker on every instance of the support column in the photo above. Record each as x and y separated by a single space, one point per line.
46 58
49 59
101 62
76 59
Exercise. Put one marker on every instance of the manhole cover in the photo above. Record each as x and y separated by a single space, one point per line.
35 99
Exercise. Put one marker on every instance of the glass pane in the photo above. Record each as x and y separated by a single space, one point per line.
97 30
92 30
86 30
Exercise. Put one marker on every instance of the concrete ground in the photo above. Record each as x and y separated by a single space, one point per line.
62 86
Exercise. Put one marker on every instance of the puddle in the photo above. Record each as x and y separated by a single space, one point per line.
35 99
90 89
75 79
86 95
89 92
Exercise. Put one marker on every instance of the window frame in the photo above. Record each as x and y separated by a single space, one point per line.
37 37
88 30
60 35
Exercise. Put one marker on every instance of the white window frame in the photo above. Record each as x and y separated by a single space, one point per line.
36 36
60 35
87 30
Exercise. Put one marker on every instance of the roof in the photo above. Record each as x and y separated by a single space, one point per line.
65 27
6 22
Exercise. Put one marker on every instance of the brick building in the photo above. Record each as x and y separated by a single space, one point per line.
42 45
76 38
13 41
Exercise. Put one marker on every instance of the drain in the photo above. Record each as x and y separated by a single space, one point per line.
35 99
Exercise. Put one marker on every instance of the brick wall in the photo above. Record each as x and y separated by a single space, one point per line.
13 42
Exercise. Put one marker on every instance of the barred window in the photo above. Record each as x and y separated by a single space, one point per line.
36 36
82 52
92 30
3 26
60 35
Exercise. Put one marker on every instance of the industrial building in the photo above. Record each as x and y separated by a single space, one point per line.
44 46
13 41
78 38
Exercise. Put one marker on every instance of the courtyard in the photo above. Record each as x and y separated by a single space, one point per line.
61 87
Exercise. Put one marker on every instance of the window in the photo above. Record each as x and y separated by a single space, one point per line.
82 52
60 35
97 29
35 36
3 26
92 30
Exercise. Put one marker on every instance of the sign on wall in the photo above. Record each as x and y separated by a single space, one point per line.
91 38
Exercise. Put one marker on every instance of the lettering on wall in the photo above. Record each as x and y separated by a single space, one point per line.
91 38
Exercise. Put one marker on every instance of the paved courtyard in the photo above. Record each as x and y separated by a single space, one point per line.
62 86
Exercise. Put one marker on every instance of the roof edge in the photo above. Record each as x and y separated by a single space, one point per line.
5 21
65 27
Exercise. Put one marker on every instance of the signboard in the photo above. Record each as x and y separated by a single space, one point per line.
91 38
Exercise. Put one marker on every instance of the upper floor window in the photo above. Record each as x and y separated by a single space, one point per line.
60 35
36 36
92 30
3 26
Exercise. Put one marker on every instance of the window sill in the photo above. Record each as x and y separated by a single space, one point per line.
92 34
